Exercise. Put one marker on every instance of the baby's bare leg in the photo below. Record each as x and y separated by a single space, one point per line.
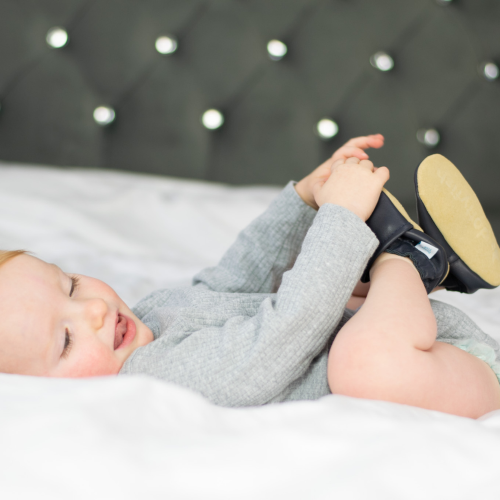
358 296
388 351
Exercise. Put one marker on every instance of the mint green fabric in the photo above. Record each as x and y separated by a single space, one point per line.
481 351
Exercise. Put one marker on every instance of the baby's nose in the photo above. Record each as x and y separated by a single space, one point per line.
95 311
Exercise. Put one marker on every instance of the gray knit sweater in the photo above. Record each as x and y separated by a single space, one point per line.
257 328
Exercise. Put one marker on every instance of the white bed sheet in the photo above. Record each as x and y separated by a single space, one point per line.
135 437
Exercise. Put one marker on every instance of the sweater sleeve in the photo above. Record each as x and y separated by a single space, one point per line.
252 359
264 250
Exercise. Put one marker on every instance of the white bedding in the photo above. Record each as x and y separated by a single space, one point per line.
135 437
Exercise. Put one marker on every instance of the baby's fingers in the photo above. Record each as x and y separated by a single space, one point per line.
350 151
353 159
383 174
369 141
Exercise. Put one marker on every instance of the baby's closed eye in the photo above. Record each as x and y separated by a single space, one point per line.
74 284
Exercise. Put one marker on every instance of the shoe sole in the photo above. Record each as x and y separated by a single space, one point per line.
401 209
450 212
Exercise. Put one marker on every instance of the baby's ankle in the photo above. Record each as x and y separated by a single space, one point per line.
385 256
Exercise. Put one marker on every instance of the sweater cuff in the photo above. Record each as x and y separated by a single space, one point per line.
294 215
338 226
293 199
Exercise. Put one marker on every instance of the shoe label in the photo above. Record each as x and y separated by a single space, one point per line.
427 249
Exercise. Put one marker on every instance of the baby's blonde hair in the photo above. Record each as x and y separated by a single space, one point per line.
6 255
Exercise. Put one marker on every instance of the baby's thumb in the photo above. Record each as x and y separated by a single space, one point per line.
316 187
383 174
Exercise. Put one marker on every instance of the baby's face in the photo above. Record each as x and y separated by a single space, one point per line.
52 326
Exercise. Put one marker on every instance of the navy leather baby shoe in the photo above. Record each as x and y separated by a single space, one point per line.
399 235
450 212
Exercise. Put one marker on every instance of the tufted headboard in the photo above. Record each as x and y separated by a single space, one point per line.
422 72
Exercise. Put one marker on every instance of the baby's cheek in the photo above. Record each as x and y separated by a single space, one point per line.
93 363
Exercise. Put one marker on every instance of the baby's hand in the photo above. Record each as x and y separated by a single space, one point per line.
353 148
356 147
353 184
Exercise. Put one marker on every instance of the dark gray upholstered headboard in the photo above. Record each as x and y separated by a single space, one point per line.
271 108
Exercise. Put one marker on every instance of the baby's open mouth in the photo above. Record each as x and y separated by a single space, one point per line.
124 331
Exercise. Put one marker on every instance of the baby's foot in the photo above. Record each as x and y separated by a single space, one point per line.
401 236
450 212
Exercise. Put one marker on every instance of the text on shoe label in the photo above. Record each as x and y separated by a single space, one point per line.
427 249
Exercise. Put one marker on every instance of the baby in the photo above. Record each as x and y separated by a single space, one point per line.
274 320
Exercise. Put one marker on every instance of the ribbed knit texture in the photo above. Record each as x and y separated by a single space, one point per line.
257 328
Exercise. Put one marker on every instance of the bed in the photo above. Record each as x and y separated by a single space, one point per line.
136 437
92 92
